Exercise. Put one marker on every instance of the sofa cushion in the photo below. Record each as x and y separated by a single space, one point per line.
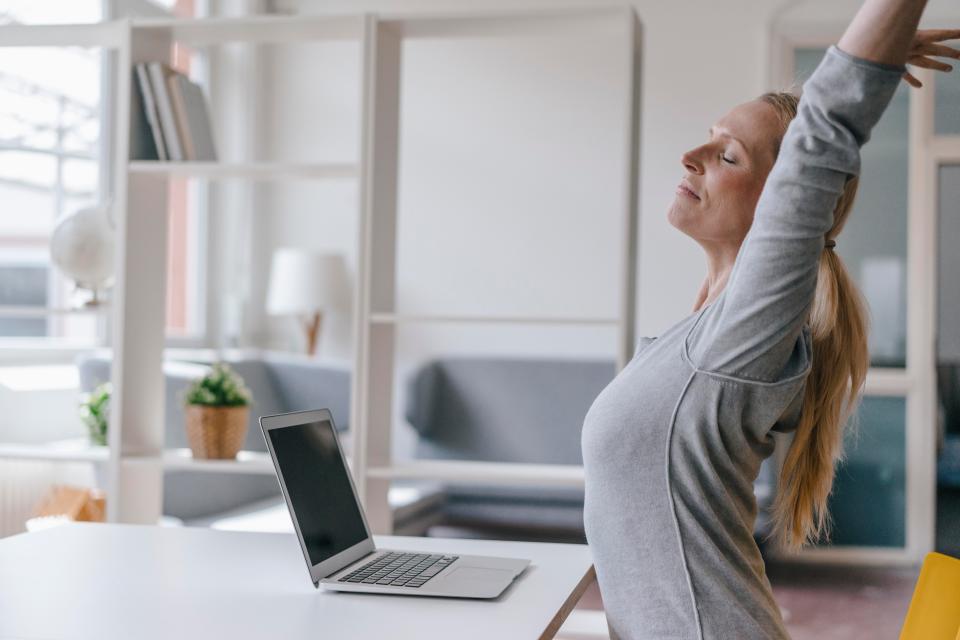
307 384
503 410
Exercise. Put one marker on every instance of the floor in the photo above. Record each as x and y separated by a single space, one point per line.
842 603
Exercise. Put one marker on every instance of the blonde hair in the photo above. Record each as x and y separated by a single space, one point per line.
838 326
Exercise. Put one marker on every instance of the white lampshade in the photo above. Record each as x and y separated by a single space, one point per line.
304 281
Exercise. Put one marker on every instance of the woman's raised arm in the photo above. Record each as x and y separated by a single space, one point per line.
883 30
751 330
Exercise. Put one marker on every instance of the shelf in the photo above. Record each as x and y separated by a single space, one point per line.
271 514
252 170
95 34
78 450
509 22
392 318
887 381
508 473
198 32
255 462
8 311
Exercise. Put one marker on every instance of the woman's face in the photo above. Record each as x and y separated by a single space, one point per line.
723 178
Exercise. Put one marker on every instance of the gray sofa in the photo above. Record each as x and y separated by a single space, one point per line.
278 383
513 410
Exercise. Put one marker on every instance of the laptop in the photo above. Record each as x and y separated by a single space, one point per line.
333 531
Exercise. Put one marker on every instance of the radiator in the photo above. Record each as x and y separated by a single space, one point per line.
23 484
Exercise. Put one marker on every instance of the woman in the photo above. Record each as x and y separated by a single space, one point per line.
776 343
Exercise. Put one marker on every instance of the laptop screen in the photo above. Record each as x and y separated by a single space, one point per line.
319 488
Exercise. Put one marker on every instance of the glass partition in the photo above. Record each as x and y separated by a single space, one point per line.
868 504
948 263
948 332
946 118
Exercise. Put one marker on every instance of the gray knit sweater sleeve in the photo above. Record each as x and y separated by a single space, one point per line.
751 330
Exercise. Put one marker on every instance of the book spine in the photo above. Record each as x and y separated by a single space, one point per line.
180 115
150 109
198 121
165 110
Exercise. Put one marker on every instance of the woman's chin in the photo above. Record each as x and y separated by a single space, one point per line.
678 217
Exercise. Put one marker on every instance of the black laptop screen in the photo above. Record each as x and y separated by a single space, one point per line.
319 488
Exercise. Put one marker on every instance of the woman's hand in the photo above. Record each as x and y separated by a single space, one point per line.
924 45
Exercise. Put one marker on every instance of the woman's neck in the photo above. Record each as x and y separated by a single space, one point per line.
720 263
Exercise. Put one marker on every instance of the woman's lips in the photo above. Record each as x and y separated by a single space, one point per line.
686 191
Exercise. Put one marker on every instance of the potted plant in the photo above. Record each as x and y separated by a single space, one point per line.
94 412
217 407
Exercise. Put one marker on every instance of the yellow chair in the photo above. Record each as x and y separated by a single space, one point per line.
934 612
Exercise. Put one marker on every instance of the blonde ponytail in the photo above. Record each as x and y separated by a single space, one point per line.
838 326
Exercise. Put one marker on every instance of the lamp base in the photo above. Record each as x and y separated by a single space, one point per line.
311 328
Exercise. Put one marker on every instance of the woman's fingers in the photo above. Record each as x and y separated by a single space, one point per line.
937 35
940 50
929 63
912 80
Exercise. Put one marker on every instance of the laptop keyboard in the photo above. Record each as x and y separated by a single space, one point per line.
398 569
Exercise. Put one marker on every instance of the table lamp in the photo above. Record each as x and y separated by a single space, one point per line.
306 283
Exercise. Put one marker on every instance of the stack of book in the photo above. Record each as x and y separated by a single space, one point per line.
172 121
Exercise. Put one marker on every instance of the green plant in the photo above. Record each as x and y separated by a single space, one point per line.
95 411
222 387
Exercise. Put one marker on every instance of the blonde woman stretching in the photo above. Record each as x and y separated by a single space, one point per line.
776 342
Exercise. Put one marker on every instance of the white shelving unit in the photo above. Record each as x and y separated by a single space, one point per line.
65 451
10 311
377 317
467 471
390 318
135 459
250 171
182 460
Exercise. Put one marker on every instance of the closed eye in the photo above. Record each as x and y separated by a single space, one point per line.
728 160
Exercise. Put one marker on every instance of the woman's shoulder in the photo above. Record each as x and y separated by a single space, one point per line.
773 363
642 343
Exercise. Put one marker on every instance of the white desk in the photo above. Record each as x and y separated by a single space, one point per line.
123 581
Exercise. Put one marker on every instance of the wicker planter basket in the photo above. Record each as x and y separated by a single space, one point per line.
216 432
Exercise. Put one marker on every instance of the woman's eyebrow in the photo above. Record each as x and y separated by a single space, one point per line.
726 134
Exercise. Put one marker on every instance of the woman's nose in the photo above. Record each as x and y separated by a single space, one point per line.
691 163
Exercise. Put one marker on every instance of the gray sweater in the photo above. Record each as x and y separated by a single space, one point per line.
672 446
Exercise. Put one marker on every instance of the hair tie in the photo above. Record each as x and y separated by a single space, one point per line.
829 244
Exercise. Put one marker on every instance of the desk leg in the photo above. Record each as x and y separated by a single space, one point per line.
588 578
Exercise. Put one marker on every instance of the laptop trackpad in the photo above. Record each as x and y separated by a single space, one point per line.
481 574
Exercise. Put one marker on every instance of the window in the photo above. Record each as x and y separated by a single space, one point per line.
868 502
49 167
24 281
947 104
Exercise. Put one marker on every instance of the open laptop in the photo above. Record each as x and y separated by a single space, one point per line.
333 531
